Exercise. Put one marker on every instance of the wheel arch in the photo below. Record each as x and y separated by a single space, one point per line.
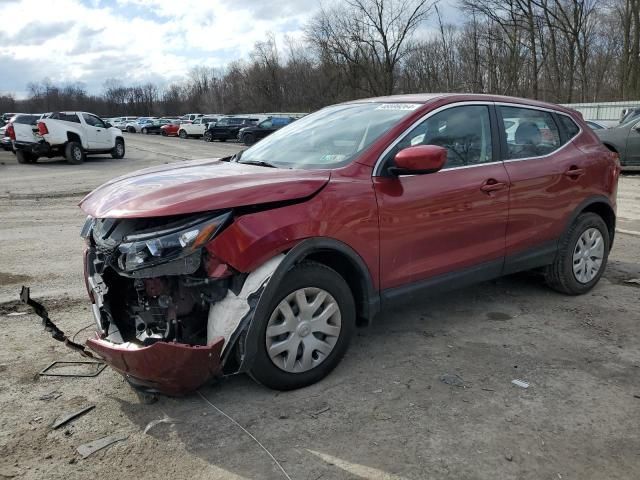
74 137
601 206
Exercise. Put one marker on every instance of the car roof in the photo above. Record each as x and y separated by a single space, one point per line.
460 97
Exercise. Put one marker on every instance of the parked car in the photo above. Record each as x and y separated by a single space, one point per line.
121 122
250 135
170 129
190 117
595 125
5 140
625 141
137 125
195 128
265 261
154 127
73 135
228 128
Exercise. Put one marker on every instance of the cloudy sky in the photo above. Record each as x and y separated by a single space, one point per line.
90 41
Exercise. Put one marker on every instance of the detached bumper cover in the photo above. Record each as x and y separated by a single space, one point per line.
169 368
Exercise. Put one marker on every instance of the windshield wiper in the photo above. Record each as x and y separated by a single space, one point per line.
260 163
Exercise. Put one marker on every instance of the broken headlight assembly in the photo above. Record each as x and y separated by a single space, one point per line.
150 248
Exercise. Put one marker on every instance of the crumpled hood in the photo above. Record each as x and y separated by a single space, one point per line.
198 186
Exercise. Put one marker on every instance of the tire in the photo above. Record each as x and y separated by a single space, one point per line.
561 274
119 150
183 134
223 139
74 153
131 130
248 139
280 372
163 133
25 157
145 131
208 137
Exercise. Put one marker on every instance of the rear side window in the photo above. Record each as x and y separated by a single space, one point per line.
529 133
569 126
27 119
65 117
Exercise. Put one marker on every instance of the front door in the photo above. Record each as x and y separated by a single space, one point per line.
450 223
98 136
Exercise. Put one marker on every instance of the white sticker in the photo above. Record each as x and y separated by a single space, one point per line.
398 106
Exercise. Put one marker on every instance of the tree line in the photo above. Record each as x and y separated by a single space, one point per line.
561 51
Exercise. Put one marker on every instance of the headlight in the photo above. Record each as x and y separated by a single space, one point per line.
144 250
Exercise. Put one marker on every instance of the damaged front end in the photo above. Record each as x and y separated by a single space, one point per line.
155 292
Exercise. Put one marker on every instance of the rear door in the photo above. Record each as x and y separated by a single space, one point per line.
450 224
548 178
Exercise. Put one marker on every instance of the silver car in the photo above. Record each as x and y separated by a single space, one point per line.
624 139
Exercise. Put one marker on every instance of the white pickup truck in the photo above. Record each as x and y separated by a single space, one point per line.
73 135
197 127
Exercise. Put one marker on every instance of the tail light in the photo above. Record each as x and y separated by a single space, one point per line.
42 128
11 132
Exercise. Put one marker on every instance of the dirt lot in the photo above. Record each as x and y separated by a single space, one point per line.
384 413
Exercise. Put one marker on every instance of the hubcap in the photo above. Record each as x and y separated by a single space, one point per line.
77 153
119 148
588 255
303 330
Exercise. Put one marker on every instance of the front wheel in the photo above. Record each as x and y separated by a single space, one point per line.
582 256
145 131
118 150
208 137
248 139
182 134
308 328
74 153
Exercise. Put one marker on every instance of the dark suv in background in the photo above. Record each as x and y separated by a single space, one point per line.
250 135
227 128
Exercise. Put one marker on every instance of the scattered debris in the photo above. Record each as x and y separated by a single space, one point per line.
636 396
94 369
50 396
16 314
153 423
92 447
382 416
379 390
488 389
71 416
321 411
520 383
509 457
452 379
633 281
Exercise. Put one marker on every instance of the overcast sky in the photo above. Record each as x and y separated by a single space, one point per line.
90 41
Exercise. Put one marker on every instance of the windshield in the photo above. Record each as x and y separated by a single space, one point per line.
329 138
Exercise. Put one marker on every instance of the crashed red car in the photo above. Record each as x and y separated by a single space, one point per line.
170 129
266 261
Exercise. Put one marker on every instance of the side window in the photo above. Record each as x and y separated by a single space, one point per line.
569 126
529 132
93 121
465 132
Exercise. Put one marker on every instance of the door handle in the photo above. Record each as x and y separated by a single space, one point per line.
574 172
492 185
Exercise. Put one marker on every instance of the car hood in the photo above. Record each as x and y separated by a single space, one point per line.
199 186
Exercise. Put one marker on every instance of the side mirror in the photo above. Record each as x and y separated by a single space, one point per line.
419 159
109 125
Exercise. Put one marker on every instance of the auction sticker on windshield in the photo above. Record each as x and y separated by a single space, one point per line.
398 106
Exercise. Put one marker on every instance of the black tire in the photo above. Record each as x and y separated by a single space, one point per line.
559 275
119 150
308 274
183 134
248 139
74 153
208 137
131 130
25 157
163 133
223 139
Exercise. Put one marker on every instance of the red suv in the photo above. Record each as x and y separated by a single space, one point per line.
266 261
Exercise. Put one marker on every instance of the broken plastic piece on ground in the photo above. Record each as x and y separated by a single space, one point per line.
452 379
94 369
169 368
71 416
92 447
153 423
520 383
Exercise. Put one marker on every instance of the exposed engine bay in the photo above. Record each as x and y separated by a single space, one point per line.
151 280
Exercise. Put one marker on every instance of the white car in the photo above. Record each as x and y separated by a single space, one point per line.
196 128
121 122
73 135
137 125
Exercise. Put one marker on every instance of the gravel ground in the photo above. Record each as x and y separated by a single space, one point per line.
385 412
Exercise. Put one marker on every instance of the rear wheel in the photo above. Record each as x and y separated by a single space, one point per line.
164 133
26 157
118 150
145 131
582 256
308 328
131 130
74 153
182 134
208 137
